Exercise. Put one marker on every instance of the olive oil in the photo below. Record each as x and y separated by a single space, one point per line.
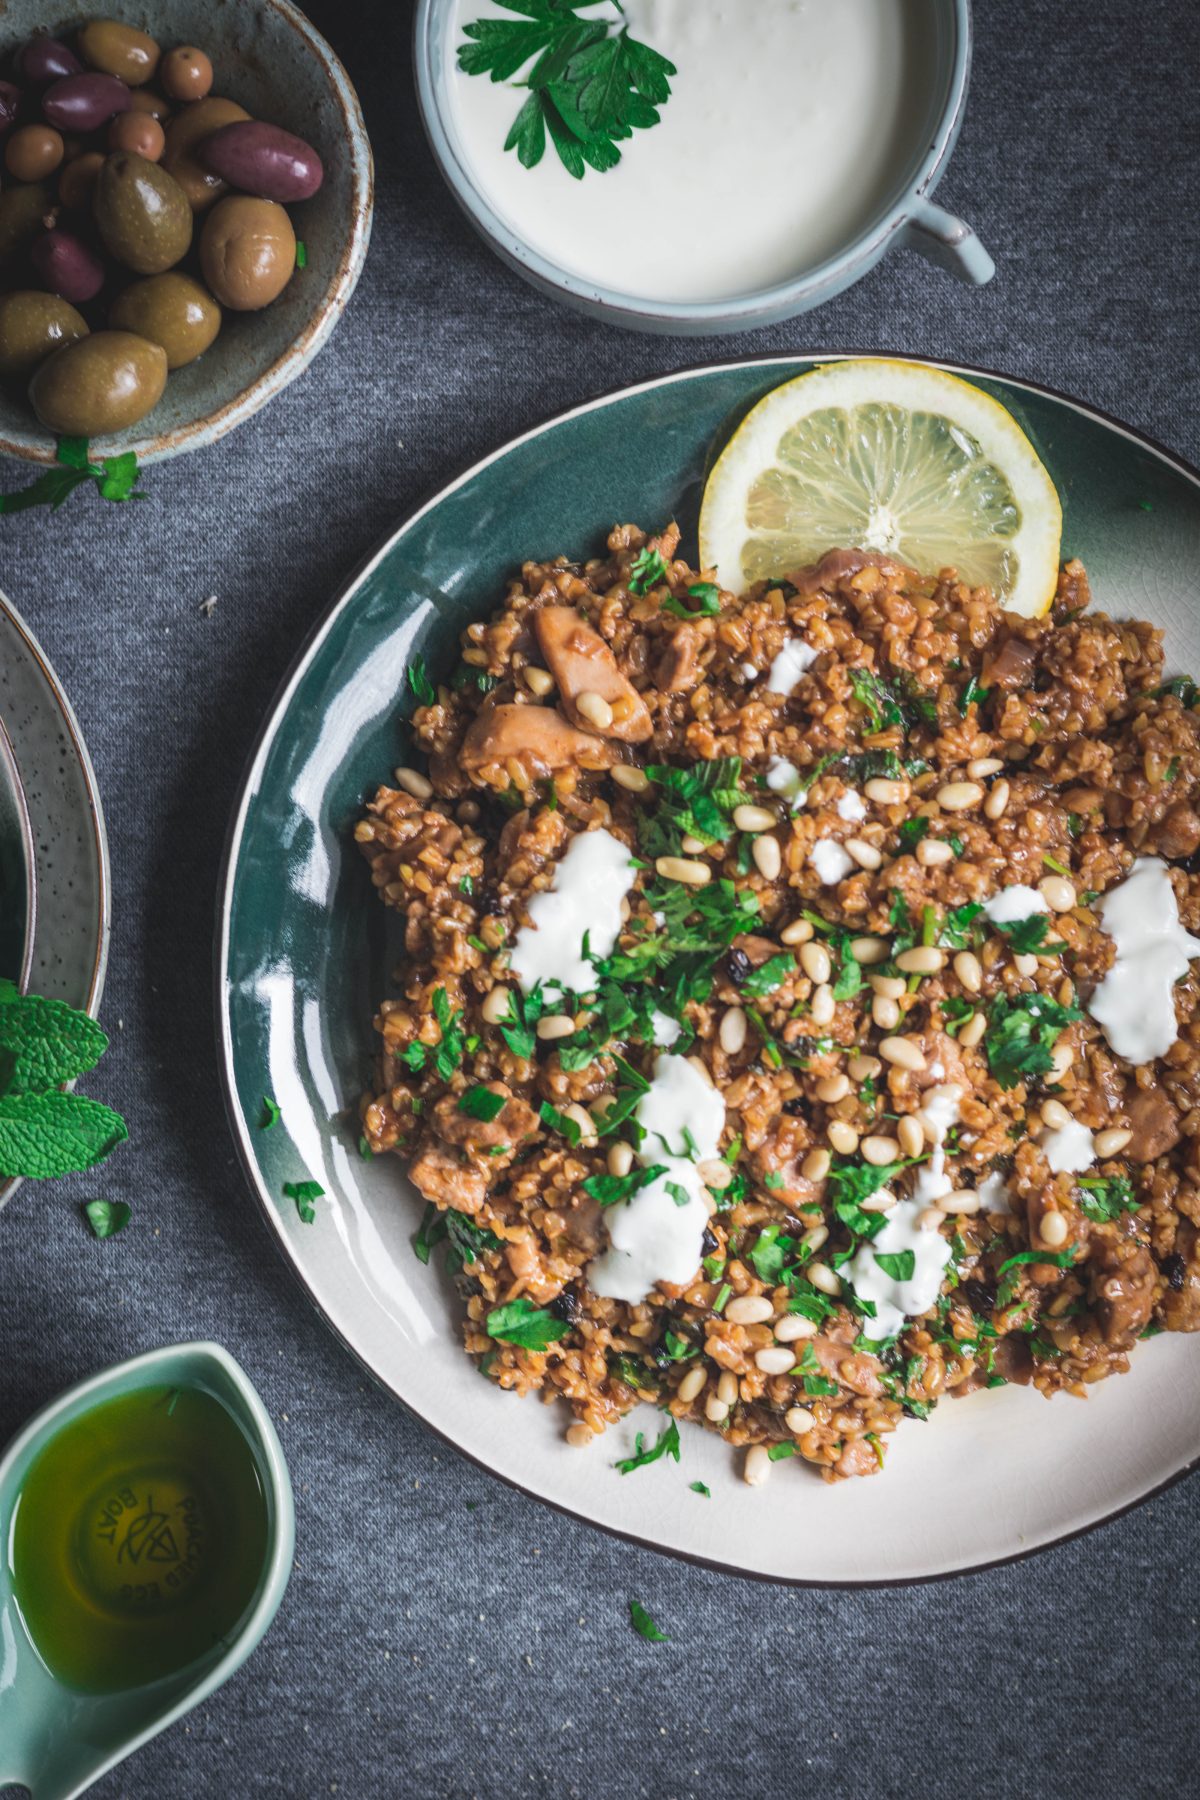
139 1539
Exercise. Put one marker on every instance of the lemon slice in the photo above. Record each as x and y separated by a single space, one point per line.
890 456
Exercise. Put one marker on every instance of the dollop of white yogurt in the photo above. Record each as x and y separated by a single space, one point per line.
584 901
831 862
788 668
656 1236
993 1193
1014 903
664 1029
1069 1149
898 1298
783 777
1135 1003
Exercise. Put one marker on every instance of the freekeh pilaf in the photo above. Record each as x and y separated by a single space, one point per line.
820 1125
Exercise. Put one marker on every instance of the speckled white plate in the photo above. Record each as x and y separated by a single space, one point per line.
70 944
304 952
18 870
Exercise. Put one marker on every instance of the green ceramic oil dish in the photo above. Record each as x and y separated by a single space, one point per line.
147 1524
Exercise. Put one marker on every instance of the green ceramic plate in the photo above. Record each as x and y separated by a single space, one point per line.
304 953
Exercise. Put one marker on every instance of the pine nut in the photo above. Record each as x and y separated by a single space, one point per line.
678 868
1108 1143
715 1173
815 1237
793 1327
620 1159
749 1309
732 1034
798 1419
1025 965
1055 1115
833 1089
623 707
414 783
982 766
585 1122
882 1200
757 1467
959 796
971 1033
1062 1056
997 800
903 1052
1059 894
595 709
631 778
715 1411
753 818
768 857
969 970
842 1137
815 1166
579 1435
931 852
923 960
823 1005
868 950
824 1279
776 1359
889 986
880 1150
692 846
864 854
496 1004
692 1384
931 1218
798 932
555 1025
727 1386
863 1068
912 1138
962 1200
885 793
885 1013
538 681
701 1067
814 960
1054 1230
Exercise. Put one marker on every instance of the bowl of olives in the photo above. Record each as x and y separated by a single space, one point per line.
186 194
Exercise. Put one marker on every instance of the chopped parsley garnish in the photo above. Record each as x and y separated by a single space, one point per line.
955 929
1061 1259
772 1251
419 682
609 1190
465 1240
723 1293
708 602
678 1193
527 1326
768 976
972 694
898 1265
698 1487
852 1183
1105 1198
518 1027
481 1103
647 570
107 1217
912 831
692 802
902 701
271 1114
849 978
590 89
559 1122
304 1193
820 1387
780 1452
1022 1034
1026 936
449 1052
666 1445
640 1619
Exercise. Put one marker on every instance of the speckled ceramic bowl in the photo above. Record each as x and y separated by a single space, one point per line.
18 878
270 59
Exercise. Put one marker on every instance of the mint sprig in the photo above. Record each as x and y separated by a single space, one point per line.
45 1133
115 478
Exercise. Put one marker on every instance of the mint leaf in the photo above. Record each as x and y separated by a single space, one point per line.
44 1043
107 1217
44 1135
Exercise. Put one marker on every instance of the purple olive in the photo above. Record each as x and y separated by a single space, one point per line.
43 60
262 160
67 266
10 100
83 103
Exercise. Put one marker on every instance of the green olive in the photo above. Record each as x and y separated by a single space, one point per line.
23 213
247 252
100 384
172 310
142 214
31 326
118 49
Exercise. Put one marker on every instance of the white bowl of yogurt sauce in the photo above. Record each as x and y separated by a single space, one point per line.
801 141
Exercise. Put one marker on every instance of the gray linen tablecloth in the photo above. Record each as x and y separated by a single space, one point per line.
442 1635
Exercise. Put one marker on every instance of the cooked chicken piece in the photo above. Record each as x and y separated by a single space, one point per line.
582 664
538 739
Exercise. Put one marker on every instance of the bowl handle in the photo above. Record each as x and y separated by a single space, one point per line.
949 242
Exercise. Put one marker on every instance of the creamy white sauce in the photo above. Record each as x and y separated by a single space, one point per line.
993 1193
749 672
790 666
783 777
783 139
1014 903
1135 1002
830 861
895 1300
585 900
1069 1149
652 1237
851 805
664 1030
